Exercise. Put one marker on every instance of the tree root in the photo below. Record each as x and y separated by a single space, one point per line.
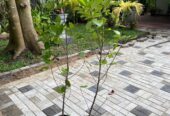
17 53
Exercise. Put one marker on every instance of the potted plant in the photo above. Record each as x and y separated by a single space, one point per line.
128 13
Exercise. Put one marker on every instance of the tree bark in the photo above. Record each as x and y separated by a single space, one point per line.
29 33
16 41
21 28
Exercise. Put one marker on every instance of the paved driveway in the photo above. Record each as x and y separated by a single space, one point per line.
140 79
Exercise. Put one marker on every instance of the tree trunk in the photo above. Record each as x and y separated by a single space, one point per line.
21 28
16 41
29 33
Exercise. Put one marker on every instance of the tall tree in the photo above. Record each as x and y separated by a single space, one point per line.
22 33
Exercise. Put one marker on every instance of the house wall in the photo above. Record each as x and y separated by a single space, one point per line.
163 6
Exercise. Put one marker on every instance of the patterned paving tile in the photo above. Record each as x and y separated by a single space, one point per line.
25 88
11 111
157 73
140 111
95 73
166 88
148 62
125 73
142 53
166 53
137 47
52 110
165 82
95 62
97 110
94 88
151 40
4 99
122 62
132 89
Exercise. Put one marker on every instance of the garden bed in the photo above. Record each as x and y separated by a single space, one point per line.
28 64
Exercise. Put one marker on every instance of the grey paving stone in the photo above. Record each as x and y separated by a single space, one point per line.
125 73
97 110
25 88
12 110
142 39
165 114
95 73
95 62
165 82
93 113
142 53
157 73
151 41
121 62
4 99
140 111
108 114
132 89
94 88
35 99
52 110
148 62
6 105
166 53
137 47
166 88
132 43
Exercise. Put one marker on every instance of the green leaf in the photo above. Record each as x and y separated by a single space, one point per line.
71 25
103 62
47 56
64 72
110 55
117 32
82 2
67 82
60 89
98 23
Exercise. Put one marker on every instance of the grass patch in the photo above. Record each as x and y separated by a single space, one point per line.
78 44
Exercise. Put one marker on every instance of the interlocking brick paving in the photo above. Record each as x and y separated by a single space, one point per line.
140 111
52 110
157 73
140 80
121 62
132 89
125 73
148 62
25 88
94 88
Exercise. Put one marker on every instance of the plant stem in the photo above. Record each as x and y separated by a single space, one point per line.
98 81
66 78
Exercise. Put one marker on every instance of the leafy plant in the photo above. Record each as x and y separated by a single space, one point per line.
127 12
94 11
151 4
3 17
